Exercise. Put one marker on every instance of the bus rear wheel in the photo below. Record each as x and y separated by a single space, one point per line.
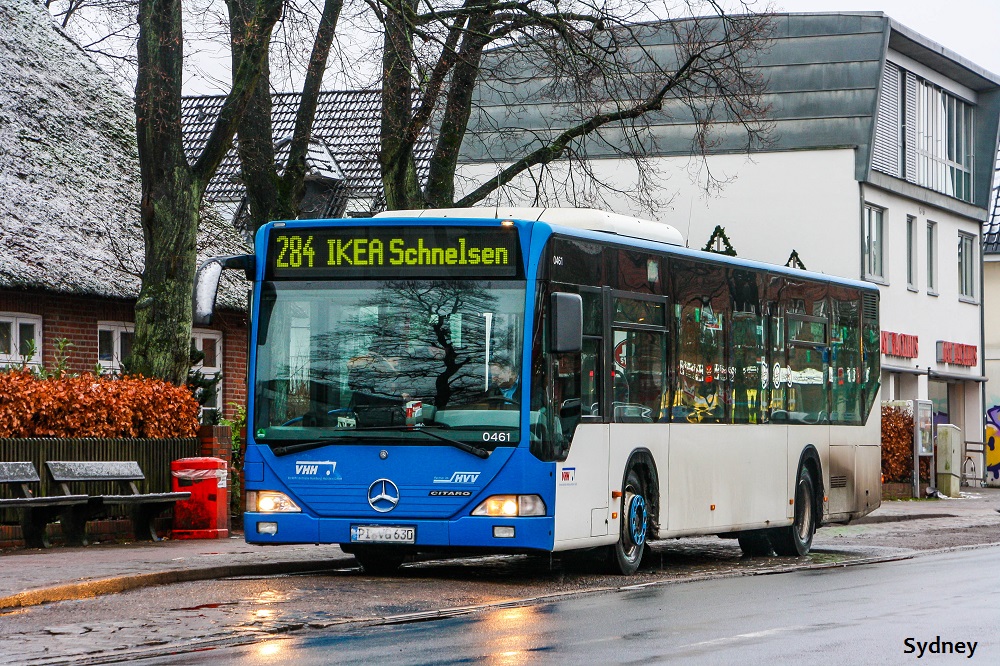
377 560
625 556
796 539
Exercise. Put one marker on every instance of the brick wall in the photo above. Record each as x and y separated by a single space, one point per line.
75 319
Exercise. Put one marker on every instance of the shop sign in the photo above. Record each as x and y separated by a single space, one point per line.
899 344
955 353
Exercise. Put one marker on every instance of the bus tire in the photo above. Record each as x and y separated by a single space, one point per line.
378 561
796 539
625 556
754 543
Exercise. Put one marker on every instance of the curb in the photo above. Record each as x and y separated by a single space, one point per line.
117 584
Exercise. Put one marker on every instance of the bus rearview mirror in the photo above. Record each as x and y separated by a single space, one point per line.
567 323
206 283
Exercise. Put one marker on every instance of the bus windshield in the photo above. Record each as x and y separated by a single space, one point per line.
382 360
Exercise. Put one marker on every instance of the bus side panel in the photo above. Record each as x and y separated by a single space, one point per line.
799 437
582 493
726 477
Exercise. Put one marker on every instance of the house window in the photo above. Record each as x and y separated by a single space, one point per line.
944 142
931 257
20 339
911 252
209 343
924 134
114 345
874 242
966 266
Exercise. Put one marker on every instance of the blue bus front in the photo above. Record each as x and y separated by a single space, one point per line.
387 404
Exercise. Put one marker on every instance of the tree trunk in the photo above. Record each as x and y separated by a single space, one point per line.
163 312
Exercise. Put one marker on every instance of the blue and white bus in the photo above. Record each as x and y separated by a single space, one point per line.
540 380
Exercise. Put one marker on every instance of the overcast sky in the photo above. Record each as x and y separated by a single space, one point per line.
970 28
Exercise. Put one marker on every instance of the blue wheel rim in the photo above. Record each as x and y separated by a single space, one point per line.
637 520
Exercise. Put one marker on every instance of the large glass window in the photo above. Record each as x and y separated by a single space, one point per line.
702 306
846 370
966 265
338 359
944 142
874 242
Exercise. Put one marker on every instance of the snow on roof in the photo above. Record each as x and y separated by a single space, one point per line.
69 168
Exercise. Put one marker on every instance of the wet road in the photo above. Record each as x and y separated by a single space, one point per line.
372 614
868 614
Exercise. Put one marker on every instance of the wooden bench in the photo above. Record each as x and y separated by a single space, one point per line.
143 507
35 512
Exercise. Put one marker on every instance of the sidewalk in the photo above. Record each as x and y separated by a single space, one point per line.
30 577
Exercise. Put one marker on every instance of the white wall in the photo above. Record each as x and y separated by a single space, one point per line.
769 205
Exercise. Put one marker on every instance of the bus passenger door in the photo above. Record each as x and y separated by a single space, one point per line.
582 479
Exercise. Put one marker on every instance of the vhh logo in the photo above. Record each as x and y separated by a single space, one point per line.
315 467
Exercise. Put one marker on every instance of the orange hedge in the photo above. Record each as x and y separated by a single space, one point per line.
89 406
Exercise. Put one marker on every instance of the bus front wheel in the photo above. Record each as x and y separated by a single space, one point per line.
796 539
626 555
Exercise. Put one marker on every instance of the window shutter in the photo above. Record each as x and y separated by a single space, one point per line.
885 152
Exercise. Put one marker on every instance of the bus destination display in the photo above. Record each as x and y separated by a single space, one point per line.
393 252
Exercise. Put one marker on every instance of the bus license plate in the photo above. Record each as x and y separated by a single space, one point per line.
383 534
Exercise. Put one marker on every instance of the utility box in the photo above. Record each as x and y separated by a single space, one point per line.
206 514
949 459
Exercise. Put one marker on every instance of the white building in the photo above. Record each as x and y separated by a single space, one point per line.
881 169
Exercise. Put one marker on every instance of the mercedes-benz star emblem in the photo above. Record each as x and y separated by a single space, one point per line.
383 495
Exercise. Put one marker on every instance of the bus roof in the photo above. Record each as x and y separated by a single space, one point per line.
588 219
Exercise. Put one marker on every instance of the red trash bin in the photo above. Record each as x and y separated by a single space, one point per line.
206 514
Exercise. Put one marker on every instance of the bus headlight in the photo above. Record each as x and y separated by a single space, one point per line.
270 501
503 506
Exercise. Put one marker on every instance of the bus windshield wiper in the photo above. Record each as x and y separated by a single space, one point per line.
468 448
315 444
301 446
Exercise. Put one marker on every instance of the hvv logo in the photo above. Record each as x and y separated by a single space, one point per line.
459 477
317 468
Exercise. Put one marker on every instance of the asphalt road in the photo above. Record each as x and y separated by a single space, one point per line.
898 612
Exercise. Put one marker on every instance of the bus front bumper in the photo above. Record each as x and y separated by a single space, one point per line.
521 533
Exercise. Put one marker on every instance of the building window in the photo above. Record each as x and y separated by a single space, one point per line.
911 252
874 242
20 339
209 343
944 142
114 345
932 257
966 265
